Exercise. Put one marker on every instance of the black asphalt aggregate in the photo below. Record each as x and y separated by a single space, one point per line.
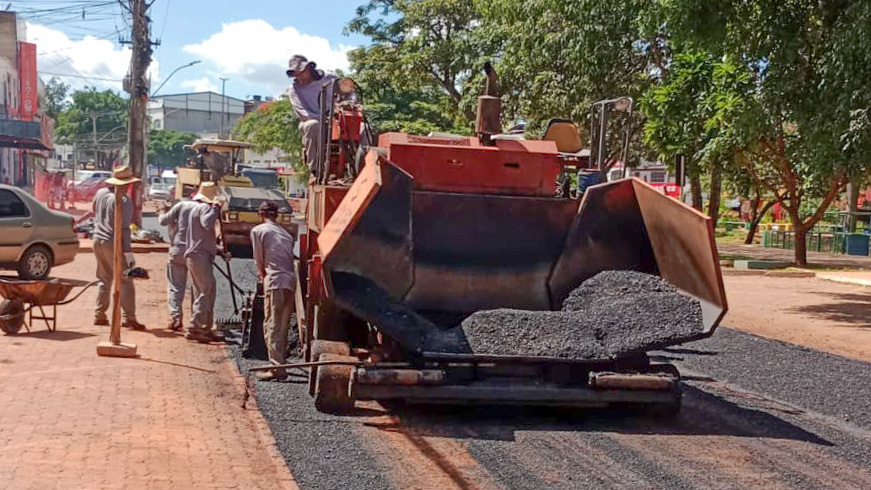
739 385
611 314
807 378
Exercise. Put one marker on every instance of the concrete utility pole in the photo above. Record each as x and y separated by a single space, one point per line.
223 99
136 85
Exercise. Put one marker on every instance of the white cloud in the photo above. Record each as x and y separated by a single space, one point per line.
257 52
88 57
204 84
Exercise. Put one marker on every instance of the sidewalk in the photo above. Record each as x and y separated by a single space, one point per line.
172 419
816 259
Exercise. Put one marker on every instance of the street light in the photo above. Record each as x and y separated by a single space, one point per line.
192 63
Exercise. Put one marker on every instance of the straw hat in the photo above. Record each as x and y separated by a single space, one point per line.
206 193
122 176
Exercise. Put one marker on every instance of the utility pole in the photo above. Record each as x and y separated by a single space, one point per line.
136 84
94 140
223 98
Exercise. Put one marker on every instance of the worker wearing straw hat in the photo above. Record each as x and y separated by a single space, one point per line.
104 249
200 257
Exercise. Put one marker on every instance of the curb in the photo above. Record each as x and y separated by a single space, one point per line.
793 274
847 280
743 272
264 433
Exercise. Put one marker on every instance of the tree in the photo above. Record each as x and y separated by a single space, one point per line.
166 148
421 48
273 125
556 58
55 102
675 118
808 62
95 121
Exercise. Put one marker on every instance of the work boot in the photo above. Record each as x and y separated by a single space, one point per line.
133 325
271 375
197 334
175 325
101 321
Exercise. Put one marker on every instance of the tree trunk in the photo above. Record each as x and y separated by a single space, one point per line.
714 194
696 191
756 218
800 245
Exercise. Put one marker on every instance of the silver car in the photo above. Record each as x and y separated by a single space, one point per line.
33 238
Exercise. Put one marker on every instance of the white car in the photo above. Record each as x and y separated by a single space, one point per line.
33 238
159 191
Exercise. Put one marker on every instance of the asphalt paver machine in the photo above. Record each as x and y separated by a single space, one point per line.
406 239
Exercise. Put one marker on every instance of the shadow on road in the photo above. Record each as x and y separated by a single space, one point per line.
58 335
703 414
853 309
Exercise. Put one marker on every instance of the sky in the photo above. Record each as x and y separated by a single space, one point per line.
247 42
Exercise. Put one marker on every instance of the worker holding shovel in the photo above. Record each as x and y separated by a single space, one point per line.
273 258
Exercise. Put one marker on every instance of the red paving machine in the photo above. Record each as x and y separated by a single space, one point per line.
421 231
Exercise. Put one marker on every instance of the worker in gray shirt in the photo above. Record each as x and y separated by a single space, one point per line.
200 256
104 249
273 259
177 221
304 93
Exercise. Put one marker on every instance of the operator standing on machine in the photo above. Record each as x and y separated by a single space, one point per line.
304 93
273 258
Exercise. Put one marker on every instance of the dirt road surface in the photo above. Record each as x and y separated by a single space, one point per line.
758 413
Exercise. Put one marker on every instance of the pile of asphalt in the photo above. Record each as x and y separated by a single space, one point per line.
614 314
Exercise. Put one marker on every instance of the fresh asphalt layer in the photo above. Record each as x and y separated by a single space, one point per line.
757 413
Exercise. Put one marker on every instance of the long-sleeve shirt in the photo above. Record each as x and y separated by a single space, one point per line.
304 98
273 255
201 238
177 222
104 218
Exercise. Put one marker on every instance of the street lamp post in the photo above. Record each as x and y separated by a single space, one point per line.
223 99
192 63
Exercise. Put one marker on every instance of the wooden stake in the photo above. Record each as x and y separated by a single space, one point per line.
114 348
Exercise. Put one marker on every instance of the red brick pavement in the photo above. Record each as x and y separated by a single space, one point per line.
171 419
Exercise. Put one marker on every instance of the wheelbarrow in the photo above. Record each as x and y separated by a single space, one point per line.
23 297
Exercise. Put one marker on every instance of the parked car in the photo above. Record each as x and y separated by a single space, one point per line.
87 183
159 191
33 238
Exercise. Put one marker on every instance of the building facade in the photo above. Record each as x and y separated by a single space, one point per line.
205 113
25 135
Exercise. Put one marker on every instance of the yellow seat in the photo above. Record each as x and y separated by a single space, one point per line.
565 134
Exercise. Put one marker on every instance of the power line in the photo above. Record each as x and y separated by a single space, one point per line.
80 76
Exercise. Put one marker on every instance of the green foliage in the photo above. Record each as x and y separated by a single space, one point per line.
75 123
166 148
418 71
270 126
55 101
558 57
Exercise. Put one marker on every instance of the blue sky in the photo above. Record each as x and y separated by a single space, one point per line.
248 42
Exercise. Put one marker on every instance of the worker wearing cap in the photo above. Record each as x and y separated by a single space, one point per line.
273 259
177 221
304 94
200 256
104 249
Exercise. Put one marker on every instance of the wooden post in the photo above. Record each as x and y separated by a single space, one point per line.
114 347
118 265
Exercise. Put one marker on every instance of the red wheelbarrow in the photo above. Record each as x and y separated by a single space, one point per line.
22 297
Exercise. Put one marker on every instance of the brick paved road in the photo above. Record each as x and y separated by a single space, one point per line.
171 419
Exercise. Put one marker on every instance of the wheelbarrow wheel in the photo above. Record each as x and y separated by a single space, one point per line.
11 316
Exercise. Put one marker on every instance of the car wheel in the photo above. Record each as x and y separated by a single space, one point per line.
35 263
